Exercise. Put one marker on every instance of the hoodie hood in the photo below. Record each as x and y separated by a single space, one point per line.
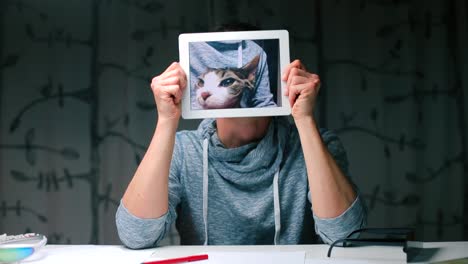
250 164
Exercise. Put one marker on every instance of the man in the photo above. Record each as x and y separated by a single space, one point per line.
254 180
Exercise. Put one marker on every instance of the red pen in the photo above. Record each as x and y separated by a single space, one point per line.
178 260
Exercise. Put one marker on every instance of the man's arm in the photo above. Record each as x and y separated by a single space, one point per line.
332 193
140 231
147 193
146 200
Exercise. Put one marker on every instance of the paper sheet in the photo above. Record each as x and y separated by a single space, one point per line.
232 257
87 254
340 261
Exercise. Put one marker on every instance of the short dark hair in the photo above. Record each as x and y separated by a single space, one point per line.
235 26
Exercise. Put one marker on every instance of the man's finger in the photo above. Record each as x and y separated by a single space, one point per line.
171 67
169 81
298 64
295 64
292 72
285 75
293 94
295 72
178 72
297 79
286 90
178 98
177 95
174 72
183 80
171 91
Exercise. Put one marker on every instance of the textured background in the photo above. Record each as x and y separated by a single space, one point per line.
76 111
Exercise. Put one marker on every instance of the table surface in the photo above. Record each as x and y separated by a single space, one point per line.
424 252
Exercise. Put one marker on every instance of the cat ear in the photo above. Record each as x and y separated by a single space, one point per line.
251 68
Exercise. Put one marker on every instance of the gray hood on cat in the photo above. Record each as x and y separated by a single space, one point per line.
255 165
238 45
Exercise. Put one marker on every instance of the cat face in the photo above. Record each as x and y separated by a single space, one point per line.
222 88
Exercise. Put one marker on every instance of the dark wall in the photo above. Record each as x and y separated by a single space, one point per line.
76 111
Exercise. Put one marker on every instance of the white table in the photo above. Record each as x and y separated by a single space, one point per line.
429 252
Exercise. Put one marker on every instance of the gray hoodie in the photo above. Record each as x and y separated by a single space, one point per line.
254 194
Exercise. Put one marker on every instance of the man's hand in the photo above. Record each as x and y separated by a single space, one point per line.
167 90
302 88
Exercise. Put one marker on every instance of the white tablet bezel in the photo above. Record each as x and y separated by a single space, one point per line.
281 35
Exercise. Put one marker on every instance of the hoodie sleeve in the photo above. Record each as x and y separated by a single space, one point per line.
135 232
355 217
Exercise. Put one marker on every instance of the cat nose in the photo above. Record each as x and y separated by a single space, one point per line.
205 95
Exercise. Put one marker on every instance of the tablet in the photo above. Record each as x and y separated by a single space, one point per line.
234 74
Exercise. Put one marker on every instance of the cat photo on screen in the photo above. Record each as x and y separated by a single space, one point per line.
234 74
223 87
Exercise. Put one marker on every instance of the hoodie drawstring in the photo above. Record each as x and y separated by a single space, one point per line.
276 203
205 188
239 55
276 198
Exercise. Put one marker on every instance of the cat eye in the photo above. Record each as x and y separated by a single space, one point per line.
200 83
227 82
